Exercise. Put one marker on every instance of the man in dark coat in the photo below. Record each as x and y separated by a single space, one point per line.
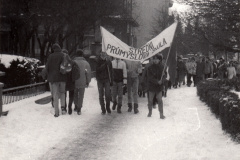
200 70
104 80
155 84
56 79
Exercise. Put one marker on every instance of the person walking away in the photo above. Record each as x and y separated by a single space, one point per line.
200 69
82 82
181 70
119 79
72 75
222 68
155 84
231 71
57 79
104 81
134 68
238 70
191 71
208 69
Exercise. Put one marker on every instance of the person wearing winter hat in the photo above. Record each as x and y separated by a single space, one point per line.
57 80
155 84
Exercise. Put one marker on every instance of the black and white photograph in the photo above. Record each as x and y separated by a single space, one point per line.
119 79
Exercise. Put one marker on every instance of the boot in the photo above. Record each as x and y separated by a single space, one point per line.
79 111
136 108
69 109
119 109
149 112
103 109
162 116
114 105
108 107
129 107
64 110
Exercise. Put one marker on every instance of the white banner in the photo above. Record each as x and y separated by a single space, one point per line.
116 48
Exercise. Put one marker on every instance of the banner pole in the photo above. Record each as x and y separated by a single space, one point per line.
168 54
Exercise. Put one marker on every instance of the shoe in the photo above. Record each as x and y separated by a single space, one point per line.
154 106
114 105
64 110
103 113
75 109
136 108
129 107
149 114
56 115
162 117
69 111
79 113
119 109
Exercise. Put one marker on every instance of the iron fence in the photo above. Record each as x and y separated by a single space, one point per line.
18 93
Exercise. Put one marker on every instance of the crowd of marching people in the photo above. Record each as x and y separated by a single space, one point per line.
72 75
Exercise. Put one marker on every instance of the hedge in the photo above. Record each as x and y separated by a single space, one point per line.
223 103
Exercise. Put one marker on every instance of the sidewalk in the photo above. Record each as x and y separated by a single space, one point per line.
190 131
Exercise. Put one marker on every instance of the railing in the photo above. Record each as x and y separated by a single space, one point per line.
18 93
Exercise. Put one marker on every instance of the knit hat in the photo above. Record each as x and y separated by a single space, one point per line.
56 47
79 53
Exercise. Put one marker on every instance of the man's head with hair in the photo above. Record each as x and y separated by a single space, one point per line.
79 53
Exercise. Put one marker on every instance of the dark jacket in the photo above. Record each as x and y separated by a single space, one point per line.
53 66
155 72
104 70
200 69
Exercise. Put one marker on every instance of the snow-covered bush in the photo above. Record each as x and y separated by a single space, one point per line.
21 72
223 103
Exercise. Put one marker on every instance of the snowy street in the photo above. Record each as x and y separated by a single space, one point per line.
189 132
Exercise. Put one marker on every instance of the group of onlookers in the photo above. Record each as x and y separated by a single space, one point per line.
199 68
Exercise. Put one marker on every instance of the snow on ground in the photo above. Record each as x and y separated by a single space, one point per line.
190 131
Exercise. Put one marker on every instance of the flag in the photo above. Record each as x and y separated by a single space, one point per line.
116 48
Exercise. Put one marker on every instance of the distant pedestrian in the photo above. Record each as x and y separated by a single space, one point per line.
134 68
222 69
191 66
82 82
57 80
181 70
231 71
208 69
200 70
104 81
119 80
238 70
155 84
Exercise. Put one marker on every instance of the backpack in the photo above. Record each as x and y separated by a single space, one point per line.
66 65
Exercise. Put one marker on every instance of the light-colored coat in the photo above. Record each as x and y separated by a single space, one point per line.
85 73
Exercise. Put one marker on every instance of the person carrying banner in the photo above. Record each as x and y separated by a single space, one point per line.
104 81
82 82
133 70
119 79
155 84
